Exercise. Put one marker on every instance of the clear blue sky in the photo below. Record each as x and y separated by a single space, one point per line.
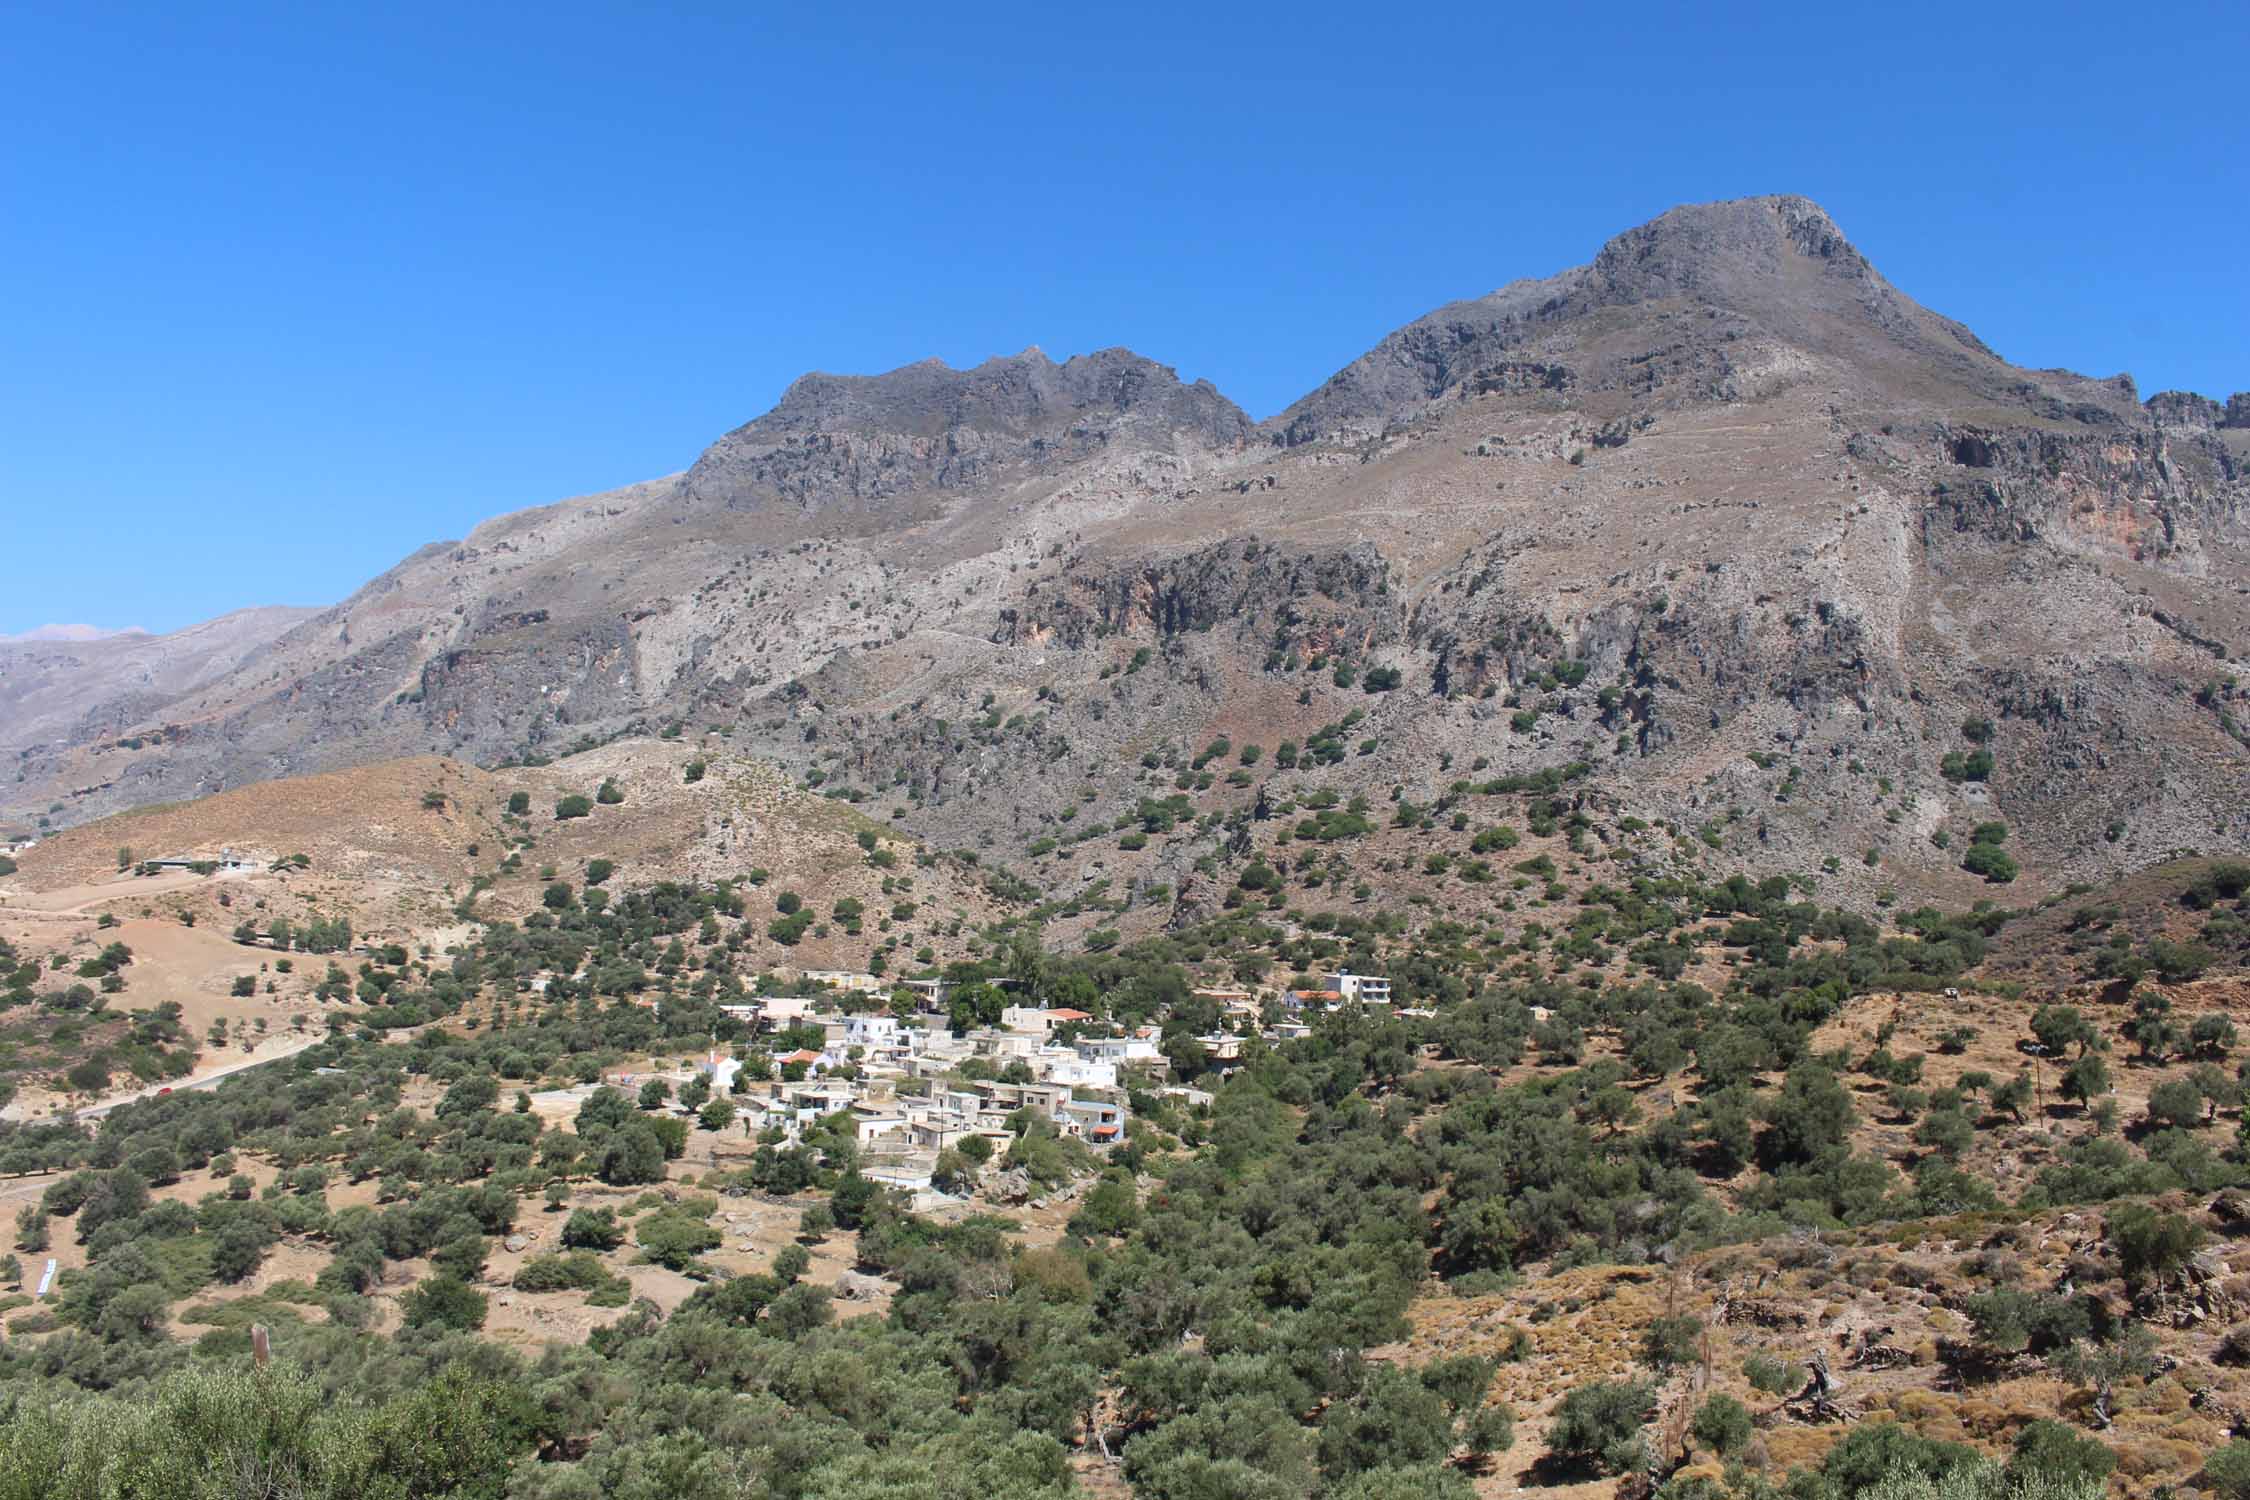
291 290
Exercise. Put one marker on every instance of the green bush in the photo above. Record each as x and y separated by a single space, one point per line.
2152 1246
572 806
444 1301
1722 1424
1772 1376
2227 1471
592 1229
1669 1343
579 1271
1600 1424
1992 862
2054 1452
674 1240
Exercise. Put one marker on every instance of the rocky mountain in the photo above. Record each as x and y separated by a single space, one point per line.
79 683
1776 554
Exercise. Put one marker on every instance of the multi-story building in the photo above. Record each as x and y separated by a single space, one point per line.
1359 989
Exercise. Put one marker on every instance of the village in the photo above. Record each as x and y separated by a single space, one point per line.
912 1089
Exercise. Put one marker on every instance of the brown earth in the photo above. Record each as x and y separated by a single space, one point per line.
1880 1304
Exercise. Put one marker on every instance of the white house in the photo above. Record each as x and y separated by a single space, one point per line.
1118 1049
1359 989
1061 1065
1093 1121
872 1032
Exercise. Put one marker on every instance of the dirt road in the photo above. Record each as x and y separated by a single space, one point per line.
289 1048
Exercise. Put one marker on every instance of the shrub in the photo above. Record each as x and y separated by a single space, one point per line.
1811 1114
1772 1376
2150 1245
2009 1321
2060 1026
632 1155
592 1229
2054 1452
572 806
444 1302
2086 1079
674 1240
2212 1035
579 1271
1599 1424
609 793
1877 1455
1992 862
1722 1424
2227 1471
2175 1102
1668 1343
1975 766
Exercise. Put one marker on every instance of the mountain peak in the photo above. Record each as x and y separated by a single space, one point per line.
930 425
1774 271
1729 247
1018 394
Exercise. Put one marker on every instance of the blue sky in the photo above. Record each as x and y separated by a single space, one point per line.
292 290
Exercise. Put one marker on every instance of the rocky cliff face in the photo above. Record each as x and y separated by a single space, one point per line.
1721 516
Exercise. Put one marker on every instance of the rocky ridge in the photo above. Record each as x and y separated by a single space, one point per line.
1722 515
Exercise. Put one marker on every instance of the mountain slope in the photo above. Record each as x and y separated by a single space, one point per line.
1722 515
74 683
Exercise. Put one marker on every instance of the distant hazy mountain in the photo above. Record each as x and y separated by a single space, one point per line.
79 685
1722 513
69 633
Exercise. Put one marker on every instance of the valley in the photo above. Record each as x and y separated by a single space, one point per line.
1645 893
